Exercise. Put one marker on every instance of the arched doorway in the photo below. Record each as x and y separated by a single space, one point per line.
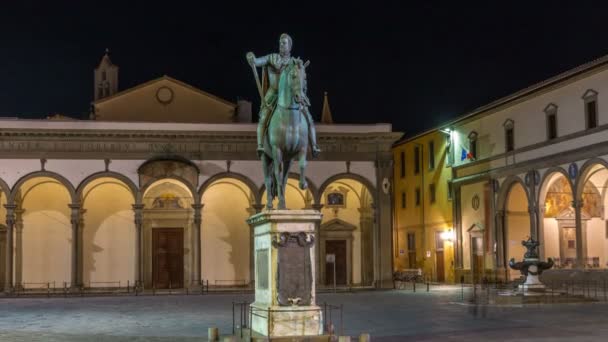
226 237
346 232
169 236
591 194
43 232
517 225
108 233
557 224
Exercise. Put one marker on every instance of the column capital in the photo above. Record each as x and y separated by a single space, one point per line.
10 207
138 206
499 213
257 207
198 206
532 209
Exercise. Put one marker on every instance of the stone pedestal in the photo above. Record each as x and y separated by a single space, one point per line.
532 283
284 259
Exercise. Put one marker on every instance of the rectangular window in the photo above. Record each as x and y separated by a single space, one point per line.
403 200
432 192
411 249
431 155
450 191
416 160
551 126
473 148
402 164
417 196
510 139
591 114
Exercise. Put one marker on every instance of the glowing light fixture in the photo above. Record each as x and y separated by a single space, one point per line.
447 235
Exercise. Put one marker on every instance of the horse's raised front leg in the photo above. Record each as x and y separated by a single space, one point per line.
277 164
268 174
302 164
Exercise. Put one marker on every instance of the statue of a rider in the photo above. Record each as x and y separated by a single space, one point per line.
272 67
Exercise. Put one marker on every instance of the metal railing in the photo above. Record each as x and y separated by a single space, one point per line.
246 313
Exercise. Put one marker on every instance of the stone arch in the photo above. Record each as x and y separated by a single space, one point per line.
110 174
46 246
592 224
108 233
357 209
169 167
513 229
246 180
370 187
545 178
5 188
191 188
584 173
48 174
505 189
226 239
548 224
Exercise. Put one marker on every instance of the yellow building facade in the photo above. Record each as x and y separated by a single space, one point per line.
423 227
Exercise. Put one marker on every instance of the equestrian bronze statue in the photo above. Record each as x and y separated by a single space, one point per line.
285 127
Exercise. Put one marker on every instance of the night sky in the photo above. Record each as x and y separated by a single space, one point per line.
414 66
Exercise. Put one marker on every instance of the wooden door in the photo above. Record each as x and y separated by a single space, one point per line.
338 248
440 266
477 261
439 245
168 257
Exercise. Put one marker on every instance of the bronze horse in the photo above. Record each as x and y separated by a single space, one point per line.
286 137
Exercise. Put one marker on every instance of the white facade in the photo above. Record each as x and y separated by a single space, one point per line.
520 190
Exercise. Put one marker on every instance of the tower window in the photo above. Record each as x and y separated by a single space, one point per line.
473 145
103 75
551 112
591 118
509 136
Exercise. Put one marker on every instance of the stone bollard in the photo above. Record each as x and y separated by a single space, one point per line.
364 338
213 334
344 339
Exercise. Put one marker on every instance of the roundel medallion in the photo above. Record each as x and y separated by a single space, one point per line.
475 202
164 95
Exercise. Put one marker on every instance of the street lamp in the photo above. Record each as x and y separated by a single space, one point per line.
447 235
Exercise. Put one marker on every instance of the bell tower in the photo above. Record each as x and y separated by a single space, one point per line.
105 77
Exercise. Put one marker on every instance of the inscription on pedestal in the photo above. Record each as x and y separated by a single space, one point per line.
261 278
294 273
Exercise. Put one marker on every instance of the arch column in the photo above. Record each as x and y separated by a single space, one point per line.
18 247
499 217
10 224
196 245
581 236
76 261
533 211
139 222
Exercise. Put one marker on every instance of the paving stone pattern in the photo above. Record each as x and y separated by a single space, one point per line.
387 315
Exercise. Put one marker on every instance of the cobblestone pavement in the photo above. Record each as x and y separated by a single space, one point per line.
439 315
